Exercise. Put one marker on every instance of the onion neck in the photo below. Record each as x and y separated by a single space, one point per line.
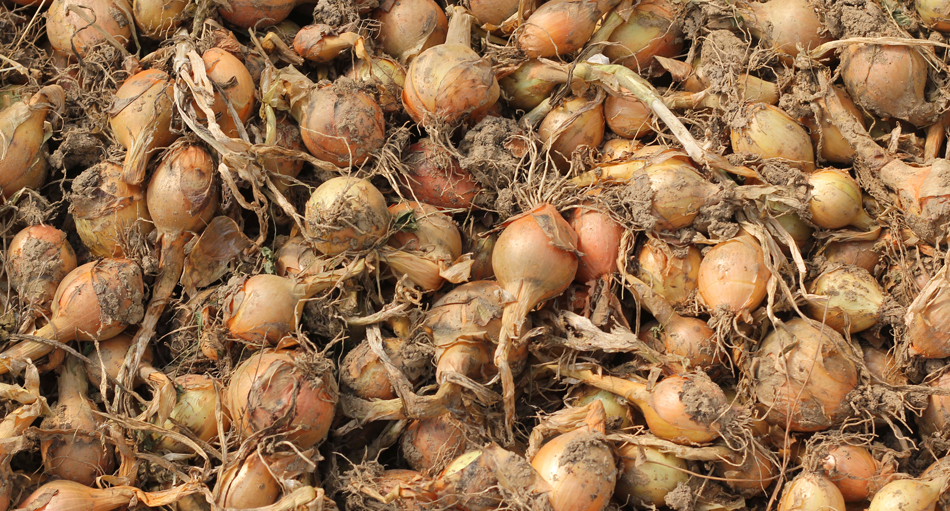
460 28
73 384
863 221
32 350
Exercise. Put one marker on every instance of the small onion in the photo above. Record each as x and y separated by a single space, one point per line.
345 213
831 145
575 123
233 85
853 470
435 177
157 19
409 27
733 275
39 257
530 84
889 81
322 43
848 297
108 212
141 117
647 475
198 398
627 117
836 201
771 133
387 75
70 33
561 26
671 271
424 229
429 444
784 25
650 31
110 354
598 238
22 161
619 148
616 411
811 491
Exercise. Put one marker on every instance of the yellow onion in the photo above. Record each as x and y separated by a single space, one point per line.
836 201
95 301
493 12
39 257
284 393
69 33
575 123
435 177
530 84
339 123
108 212
248 484
671 271
364 374
831 145
616 411
22 135
647 475
598 238
251 13
157 19
853 470
889 81
561 26
784 25
479 241
386 74
296 258
848 298
928 320
733 275
650 31
110 354
791 222
619 148
858 253
935 14
196 411
77 452
409 27
935 419
233 85
65 495
771 133
140 118
429 444
426 230
322 43
345 213
923 193
811 491
909 494
286 134
628 117
883 366
450 83
751 473
803 375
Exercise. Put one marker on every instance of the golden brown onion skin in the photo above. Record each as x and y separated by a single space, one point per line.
560 26
829 143
580 467
233 81
853 470
250 13
811 491
22 163
345 213
341 125
575 123
409 27
140 118
107 210
935 14
429 444
157 19
69 33
39 257
647 475
771 133
889 81
448 84
649 32
849 298
435 177
733 275
598 238
672 272
627 117
783 25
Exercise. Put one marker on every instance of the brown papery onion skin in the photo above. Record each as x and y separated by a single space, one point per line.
935 14
262 310
811 491
80 454
277 391
650 31
95 301
530 84
561 26
783 25
70 33
825 135
494 12
251 13
140 118
182 195
803 376
858 253
850 299
928 320
909 494
619 148
296 258
22 162
248 484
110 354
387 74
364 374
429 444
108 212
425 230
733 275
286 135
410 27
340 124
935 419
234 85
157 19
772 133
663 269
39 257
322 43
647 475
196 409
889 81
598 238
435 177
65 495
627 117
836 201
345 213
575 123
853 470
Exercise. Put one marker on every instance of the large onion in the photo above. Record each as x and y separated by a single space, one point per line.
346 213
650 31
409 27
22 135
733 275
811 491
39 257
69 30
647 475
772 133
849 298
670 270
561 26
784 25
576 123
890 81
109 213
141 117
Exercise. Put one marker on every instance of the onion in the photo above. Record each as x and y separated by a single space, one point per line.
928 320
233 86
449 83
923 194
771 133
803 376
110 354
429 444
248 484
935 14
386 74
848 298
650 31
733 275
158 19
286 134
196 410
39 257
78 452
479 241
831 145
95 301
909 494
534 260
530 84
286 393
345 213
296 259
364 374
22 135
254 14
784 25
791 222
647 475
72 496
627 117
853 470
322 43
141 117
617 413
598 238
858 253
339 123
435 177
109 213
836 201
889 81
619 148
561 26
409 27
672 272
575 123
493 13
883 366
811 491
935 419
426 230
579 465
70 31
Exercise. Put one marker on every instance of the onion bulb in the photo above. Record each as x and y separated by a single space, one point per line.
429 444
733 275
322 43
836 201
889 81
409 27
95 301
297 259
140 118
848 298
108 212
831 145
39 257
650 31
671 271
772 133
784 25
923 193
598 238
853 470
22 135
934 14
253 14
530 84
109 355
909 494
575 123
248 483
233 86
157 19
364 374
616 411
619 148
935 419
345 213
65 495
425 230
928 320
811 491
883 366
435 177
803 375
856 252
491 14
627 117
282 392
70 31
561 26
386 74
196 410
647 475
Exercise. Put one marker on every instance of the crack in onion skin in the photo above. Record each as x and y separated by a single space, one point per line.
888 80
669 275
22 135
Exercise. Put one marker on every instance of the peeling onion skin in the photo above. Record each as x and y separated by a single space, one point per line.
810 491
105 209
65 495
140 118
928 320
889 81
22 162
68 32
580 467
673 277
829 142
409 27
340 125
571 125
